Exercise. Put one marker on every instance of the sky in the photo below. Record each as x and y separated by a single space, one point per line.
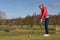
22 8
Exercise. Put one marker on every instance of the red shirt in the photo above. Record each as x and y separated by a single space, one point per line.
44 13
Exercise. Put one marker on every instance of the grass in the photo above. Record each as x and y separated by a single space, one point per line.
25 36
36 35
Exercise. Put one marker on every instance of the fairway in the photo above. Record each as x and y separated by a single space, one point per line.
25 36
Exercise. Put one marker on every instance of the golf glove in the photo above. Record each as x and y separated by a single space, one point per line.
41 20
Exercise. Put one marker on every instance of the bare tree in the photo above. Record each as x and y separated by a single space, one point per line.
2 17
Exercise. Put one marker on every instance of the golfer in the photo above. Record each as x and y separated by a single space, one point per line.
44 16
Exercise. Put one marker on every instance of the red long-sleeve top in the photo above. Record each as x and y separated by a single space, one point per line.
44 13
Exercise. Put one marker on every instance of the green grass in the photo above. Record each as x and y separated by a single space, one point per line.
36 35
25 36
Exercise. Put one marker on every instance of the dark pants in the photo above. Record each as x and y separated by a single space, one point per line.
46 25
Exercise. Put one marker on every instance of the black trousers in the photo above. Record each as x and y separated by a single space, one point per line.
46 25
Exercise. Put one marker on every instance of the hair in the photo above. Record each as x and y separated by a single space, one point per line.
41 5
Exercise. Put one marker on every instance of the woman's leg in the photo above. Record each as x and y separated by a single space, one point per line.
46 25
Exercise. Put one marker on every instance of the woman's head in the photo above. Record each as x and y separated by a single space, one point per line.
41 6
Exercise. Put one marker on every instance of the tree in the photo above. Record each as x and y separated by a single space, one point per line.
2 17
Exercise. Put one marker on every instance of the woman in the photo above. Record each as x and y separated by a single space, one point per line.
44 16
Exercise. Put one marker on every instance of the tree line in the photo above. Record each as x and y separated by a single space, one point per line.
31 20
28 20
